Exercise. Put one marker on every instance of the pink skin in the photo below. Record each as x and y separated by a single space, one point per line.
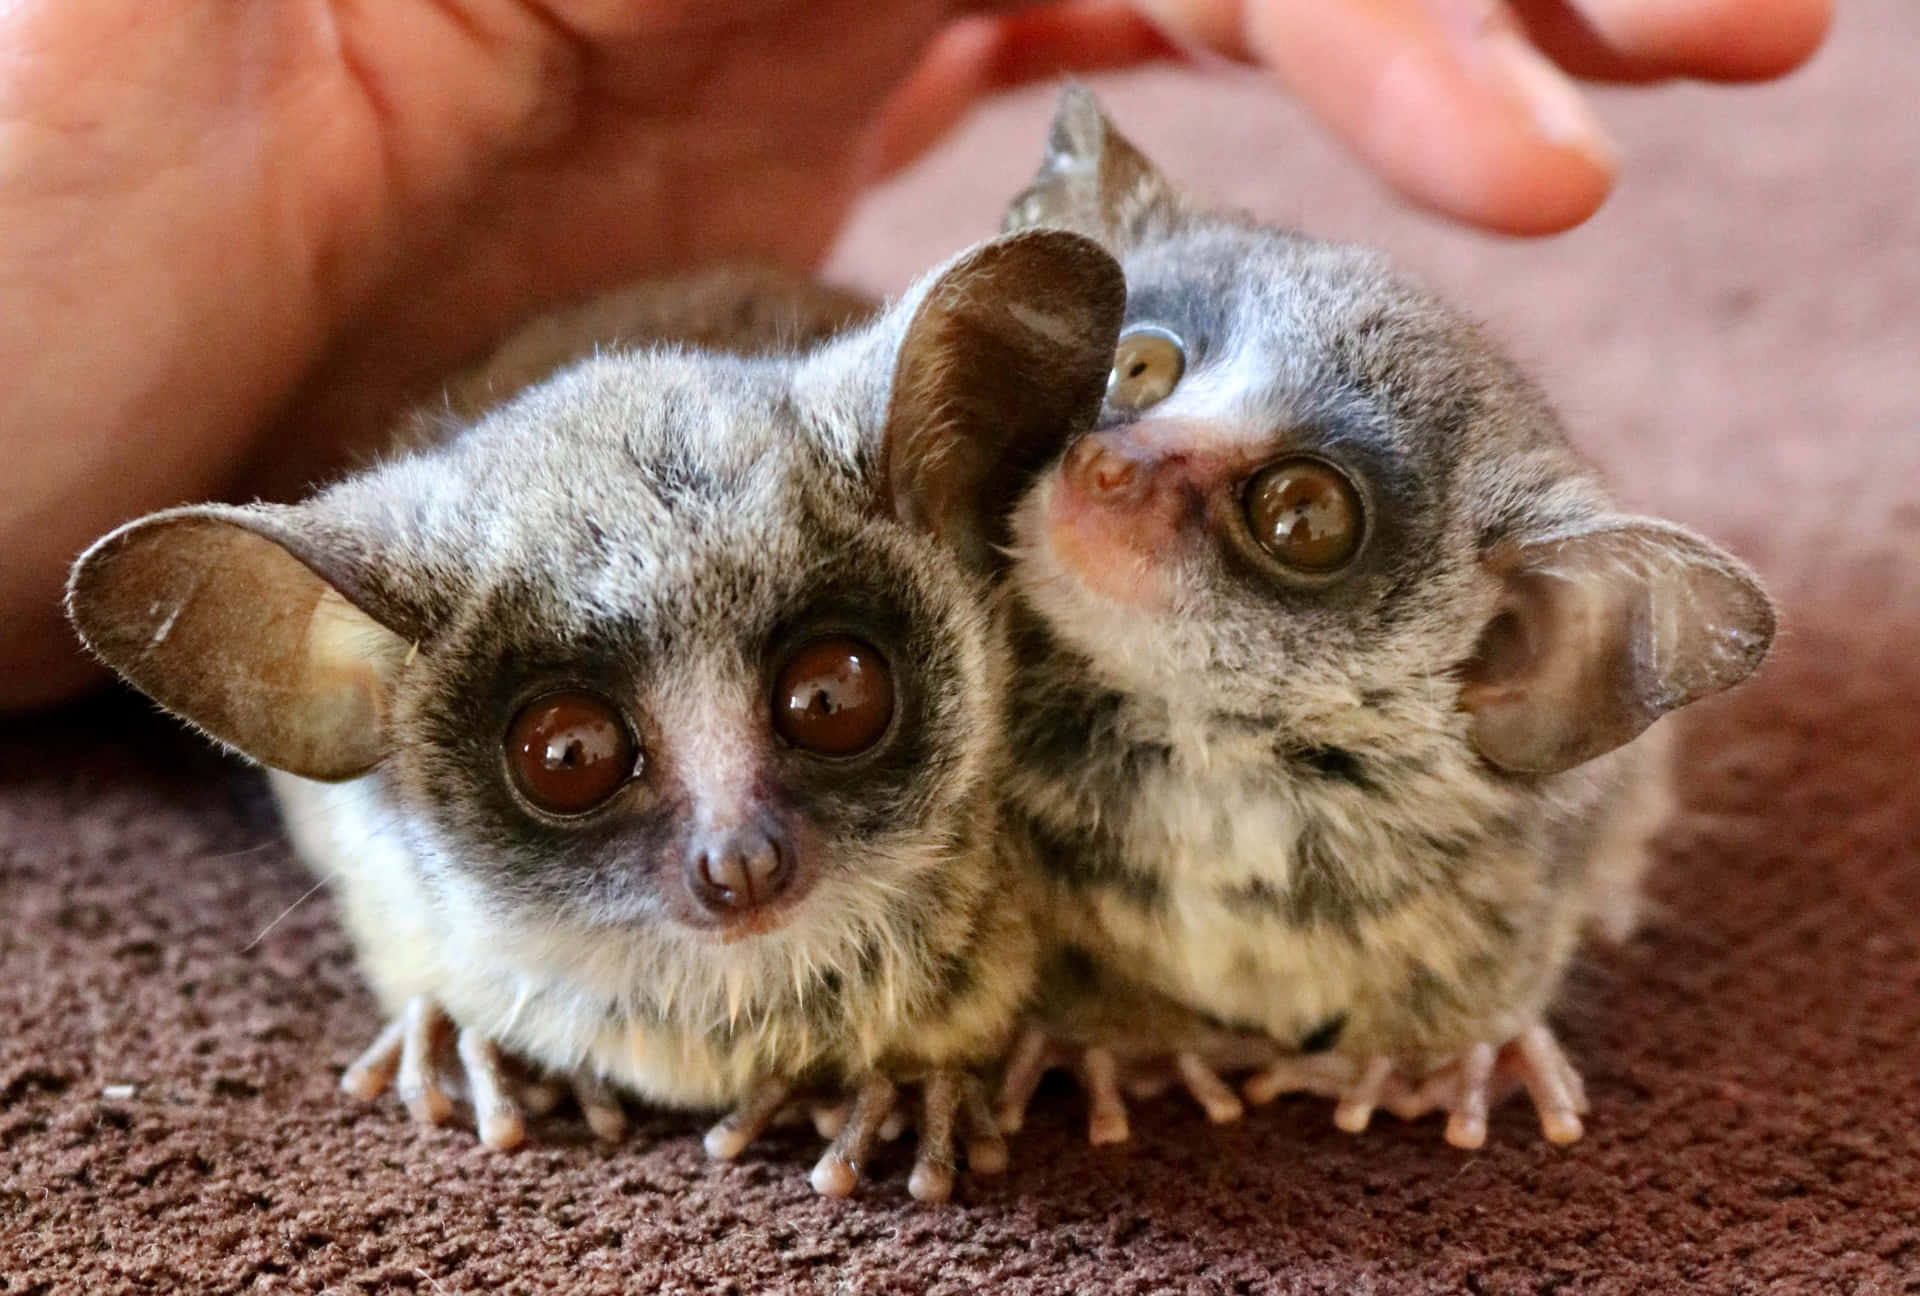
1129 503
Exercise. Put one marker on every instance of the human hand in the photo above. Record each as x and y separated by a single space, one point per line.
1464 105
234 236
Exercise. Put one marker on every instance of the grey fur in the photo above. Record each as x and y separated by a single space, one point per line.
656 526
1288 802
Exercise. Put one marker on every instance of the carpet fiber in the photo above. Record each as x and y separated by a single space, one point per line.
1735 338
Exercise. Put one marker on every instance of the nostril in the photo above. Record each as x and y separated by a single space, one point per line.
726 875
1111 474
743 872
1098 470
762 863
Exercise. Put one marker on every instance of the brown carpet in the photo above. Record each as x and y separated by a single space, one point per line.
1737 337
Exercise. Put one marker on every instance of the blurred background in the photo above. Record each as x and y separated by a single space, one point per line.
1736 336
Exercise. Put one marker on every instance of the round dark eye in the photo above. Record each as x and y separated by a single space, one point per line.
1306 514
569 752
834 697
1146 368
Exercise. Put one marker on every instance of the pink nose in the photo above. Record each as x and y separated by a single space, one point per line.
738 871
1099 472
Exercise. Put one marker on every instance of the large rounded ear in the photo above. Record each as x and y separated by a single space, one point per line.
1093 180
1600 633
1004 362
209 612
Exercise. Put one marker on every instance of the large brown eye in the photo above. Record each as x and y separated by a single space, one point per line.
1146 368
833 697
1304 513
569 752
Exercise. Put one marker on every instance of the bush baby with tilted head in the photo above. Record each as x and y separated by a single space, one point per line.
1337 672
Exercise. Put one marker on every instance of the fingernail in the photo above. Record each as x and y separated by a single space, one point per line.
1559 109
1500 53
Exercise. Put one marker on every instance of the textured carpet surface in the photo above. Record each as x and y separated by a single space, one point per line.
1736 338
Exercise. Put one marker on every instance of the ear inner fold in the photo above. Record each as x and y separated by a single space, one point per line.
1004 363
1599 634
222 626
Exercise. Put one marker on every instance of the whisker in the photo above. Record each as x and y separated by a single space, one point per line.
311 892
255 849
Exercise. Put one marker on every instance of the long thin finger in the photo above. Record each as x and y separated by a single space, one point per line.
837 1173
538 1097
1438 1091
986 1150
374 1069
1327 1074
1106 1109
1545 1075
1025 1067
1355 1111
794 1113
1467 1122
494 1111
416 1082
1570 1077
830 1118
1208 1089
933 1165
606 1117
745 1123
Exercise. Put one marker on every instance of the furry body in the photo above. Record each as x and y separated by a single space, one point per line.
1366 813
1359 893
660 530
695 504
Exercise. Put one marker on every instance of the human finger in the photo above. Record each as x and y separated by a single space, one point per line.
1447 99
978 55
1713 40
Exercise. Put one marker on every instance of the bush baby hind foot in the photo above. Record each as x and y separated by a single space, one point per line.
411 1056
953 1106
1108 1080
1466 1088
1095 1069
